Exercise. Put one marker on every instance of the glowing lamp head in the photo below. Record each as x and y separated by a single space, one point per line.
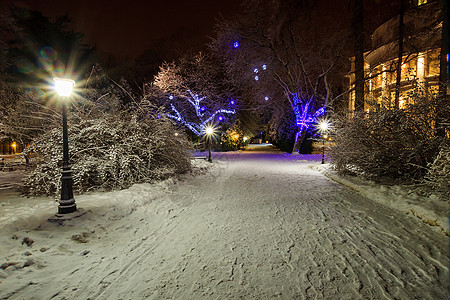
209 130
63 86
324 125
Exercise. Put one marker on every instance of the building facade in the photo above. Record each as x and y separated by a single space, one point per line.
420 62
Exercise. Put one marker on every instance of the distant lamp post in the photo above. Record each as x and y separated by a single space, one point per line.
67 204
209 131
324 126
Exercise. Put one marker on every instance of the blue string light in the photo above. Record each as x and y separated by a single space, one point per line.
198 128
236 44
303 115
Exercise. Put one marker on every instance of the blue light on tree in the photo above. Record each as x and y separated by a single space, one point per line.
171 97
304 115
236 44
255 70
203 116
256 77
264 67
232 102
266 98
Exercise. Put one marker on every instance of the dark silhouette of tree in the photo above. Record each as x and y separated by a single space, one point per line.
358 31
292 39
42 49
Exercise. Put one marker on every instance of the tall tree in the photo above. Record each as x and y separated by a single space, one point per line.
269 44
358 31
43 49
400 54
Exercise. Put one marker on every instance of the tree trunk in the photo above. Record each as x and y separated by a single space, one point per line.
358 28
444 76
400 54
299 137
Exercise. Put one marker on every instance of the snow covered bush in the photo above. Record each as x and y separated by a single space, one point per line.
391 143
438 176
109 147
113 152
233 137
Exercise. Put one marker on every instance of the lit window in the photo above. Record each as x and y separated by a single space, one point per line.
421 2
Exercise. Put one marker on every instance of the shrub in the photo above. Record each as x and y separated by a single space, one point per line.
110 146
438 176
394 143
113 152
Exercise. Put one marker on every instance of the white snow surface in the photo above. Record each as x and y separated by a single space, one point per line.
258 224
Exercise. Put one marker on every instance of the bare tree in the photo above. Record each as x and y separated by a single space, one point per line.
358 29
289 60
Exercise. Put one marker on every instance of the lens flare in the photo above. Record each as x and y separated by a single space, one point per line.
45 64
35 93
48 53
58 67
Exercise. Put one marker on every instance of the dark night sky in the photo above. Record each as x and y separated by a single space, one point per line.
127 27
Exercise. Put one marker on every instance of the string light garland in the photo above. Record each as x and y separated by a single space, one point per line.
202 113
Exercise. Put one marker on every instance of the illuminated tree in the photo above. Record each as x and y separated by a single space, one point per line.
298 51
202 116
192 93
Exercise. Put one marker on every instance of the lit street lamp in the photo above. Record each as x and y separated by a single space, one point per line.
324 126
67 203
209 130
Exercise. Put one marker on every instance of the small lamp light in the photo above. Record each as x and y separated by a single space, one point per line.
64 86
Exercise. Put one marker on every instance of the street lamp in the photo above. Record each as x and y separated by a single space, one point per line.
67 203
324 126
209 130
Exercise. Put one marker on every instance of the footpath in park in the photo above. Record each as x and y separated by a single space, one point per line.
255 224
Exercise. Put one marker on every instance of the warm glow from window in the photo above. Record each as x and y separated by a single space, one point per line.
401 103
421 2
64 86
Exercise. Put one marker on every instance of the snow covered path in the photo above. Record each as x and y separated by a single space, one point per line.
256 226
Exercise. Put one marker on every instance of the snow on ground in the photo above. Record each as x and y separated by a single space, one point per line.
258 224
432 210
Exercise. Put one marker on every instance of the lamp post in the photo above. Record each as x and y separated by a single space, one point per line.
67 203
209 130
324 126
